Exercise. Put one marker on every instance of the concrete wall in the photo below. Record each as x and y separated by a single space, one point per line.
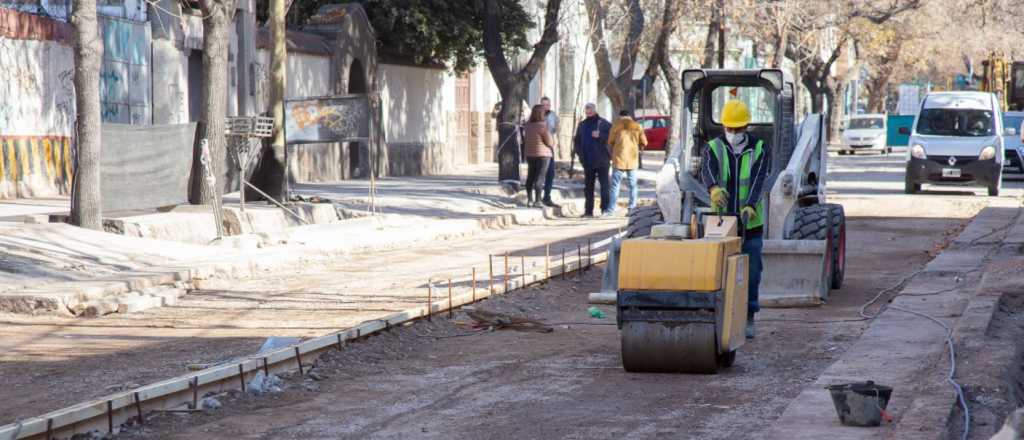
415 120
38 109
308 75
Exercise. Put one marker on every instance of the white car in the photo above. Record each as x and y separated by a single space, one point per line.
957 139
865 133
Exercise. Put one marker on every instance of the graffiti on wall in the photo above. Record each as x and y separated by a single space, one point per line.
35 165
39 98
124 74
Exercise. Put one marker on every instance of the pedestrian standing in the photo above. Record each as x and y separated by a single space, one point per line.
552 120
627 138
540 149
591 146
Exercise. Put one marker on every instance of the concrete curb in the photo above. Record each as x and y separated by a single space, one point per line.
310 244
906 351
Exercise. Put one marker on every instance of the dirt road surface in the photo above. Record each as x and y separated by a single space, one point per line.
432 380
48 363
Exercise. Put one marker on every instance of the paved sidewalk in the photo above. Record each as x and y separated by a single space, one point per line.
56 268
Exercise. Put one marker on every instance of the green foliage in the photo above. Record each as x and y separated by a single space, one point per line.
446 32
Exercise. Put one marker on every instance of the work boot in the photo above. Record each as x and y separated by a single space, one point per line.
750 327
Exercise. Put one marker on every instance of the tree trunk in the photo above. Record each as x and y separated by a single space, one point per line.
510 116
709 39
721 34
86 210
219 15
780 48
512 84
835 113
269 175
675 99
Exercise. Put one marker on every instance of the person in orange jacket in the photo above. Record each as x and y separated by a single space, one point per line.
627 138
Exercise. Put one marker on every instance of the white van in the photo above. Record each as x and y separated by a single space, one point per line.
957 139
865 133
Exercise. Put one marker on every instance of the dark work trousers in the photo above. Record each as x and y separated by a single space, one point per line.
600 175
536 169
549 180
752 246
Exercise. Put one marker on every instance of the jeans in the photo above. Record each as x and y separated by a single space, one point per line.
591 176
549 180
752 248
616 181
536 167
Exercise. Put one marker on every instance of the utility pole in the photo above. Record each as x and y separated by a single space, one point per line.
278 76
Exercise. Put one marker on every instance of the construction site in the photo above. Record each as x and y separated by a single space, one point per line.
501 219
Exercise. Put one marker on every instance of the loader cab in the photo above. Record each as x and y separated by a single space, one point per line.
768 94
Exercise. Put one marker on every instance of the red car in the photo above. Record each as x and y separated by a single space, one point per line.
656 128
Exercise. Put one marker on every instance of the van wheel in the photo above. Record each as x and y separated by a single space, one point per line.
842 152
911 187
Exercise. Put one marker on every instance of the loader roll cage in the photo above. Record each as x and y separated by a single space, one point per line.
701 124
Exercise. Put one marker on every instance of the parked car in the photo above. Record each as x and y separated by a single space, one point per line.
865 133
656 128
1012 143
957 139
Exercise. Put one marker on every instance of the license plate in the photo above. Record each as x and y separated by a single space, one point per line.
950 172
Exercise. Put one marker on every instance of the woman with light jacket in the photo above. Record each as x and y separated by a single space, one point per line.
540 149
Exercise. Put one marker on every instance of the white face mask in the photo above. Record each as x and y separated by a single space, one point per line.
735 139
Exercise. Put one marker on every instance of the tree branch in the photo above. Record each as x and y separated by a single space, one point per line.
547 39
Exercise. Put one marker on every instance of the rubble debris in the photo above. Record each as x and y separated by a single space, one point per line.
482 319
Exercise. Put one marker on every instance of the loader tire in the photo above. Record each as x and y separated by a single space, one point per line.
642 219
810 223
838 219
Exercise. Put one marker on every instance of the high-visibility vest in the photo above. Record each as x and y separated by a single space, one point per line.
747 159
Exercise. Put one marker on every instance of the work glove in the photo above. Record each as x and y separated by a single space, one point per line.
747 213
719 198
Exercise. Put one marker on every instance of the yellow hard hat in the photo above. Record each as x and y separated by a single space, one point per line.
735 114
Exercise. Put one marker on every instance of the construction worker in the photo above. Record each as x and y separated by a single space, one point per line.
736 165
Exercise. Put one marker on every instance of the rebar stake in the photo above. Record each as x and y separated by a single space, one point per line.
522 263
547 261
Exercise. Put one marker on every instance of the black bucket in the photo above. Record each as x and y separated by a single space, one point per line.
861 403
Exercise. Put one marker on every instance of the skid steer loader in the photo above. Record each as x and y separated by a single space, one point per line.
804 237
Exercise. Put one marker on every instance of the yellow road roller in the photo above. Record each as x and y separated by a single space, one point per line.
681 301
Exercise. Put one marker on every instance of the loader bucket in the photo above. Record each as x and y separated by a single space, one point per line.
795 273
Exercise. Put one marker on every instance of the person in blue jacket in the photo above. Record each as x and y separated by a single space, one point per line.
591 145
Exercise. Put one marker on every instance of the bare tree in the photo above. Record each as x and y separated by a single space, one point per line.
86 209
617 86
512 84
218 17
660 60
